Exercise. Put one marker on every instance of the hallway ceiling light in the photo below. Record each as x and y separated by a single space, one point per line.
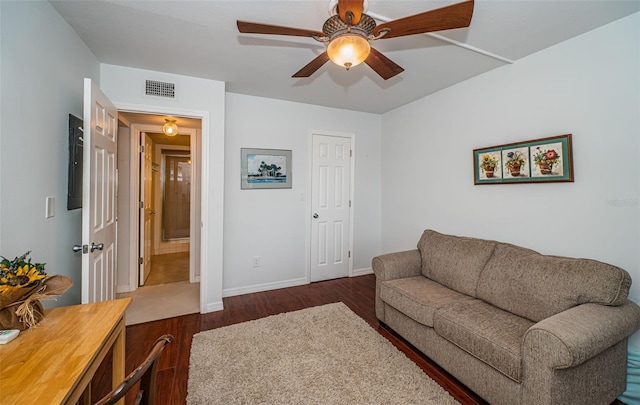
170 128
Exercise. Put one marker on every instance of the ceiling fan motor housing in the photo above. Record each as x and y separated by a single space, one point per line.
334 27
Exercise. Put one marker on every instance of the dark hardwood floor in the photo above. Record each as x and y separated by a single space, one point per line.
357 293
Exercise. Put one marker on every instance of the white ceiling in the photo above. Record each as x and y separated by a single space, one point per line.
200 39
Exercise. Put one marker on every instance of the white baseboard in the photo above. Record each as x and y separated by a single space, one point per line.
362 272
122 289
230 292
213 307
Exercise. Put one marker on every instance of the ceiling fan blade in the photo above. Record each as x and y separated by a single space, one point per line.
312 66
355 6
445 18
382 65
247 27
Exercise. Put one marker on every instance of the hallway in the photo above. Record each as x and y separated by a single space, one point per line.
168 268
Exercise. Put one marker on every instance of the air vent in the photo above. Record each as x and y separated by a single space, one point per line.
160 89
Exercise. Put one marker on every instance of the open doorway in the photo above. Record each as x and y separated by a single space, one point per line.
161 239
166 183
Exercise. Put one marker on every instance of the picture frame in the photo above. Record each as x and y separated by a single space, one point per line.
542 160
265 168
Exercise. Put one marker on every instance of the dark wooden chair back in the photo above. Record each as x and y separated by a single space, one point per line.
145 373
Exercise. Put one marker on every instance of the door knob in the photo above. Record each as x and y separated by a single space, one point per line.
77 248
99 246
315 215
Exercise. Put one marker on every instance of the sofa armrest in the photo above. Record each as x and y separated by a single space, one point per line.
397 265
578 334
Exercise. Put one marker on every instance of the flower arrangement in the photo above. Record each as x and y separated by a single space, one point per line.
545 159
22 285
514 162
488 163
516 159
17 276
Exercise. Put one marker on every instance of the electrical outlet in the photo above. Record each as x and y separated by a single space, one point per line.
256 261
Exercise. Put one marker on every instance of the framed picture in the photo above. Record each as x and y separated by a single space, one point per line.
535 161
265 168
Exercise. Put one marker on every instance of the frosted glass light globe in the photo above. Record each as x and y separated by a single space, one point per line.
348 50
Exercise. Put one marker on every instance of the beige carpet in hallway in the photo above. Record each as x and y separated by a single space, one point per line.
151 303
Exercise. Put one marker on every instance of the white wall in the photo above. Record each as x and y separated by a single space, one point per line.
588 86
272 223
125 87
43 66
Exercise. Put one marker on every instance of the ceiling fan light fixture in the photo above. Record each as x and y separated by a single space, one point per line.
348 50
170 128
349 30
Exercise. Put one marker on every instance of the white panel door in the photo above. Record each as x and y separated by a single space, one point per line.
330 205
146 207
99 196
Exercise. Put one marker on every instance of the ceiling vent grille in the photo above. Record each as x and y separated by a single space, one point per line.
160 89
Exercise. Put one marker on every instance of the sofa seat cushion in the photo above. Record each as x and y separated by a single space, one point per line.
454 261
418 297
536 286
488 333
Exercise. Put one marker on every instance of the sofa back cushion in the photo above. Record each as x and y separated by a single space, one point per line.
536 286
454 261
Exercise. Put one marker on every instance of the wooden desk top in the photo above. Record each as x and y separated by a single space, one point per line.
45 363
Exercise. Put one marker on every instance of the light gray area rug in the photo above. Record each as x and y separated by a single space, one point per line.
319 355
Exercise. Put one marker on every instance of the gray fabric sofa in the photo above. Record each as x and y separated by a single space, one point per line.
515 326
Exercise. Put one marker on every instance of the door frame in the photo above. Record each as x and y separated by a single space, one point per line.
137 282
203 146
309 208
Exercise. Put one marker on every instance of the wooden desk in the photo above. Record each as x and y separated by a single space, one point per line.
54 362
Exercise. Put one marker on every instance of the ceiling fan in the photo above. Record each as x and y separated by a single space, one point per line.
349 32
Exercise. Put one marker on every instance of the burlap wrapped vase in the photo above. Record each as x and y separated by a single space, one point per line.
27 310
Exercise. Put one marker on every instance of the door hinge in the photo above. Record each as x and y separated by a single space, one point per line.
350 152
349 254
140 260
141 205
349 203
141 148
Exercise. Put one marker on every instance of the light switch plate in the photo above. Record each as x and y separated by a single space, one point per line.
50 207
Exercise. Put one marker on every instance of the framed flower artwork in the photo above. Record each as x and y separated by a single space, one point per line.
535 161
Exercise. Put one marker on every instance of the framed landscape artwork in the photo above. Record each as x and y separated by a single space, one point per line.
265 168
535 161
